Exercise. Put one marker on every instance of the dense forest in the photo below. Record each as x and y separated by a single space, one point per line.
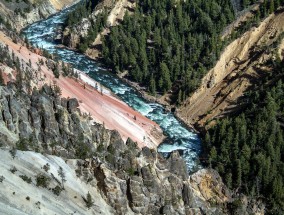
248 149
82 11
167 45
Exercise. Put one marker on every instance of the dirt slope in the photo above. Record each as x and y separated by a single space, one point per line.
236 70
60 4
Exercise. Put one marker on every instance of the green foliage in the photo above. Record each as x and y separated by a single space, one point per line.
247 150
100 147
5 23
22 144
82 11
46 167
42 180
110 158
61 173
82 150
26 178
166 43
163 42
89 200
13 169
131 171
262 12
56 71
13 152
57 190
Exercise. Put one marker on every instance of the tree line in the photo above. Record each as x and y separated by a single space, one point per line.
248 149
168 45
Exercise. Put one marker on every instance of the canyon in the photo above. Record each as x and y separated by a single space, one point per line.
102 133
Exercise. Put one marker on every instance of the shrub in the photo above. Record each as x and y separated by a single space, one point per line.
26 178
89 201
42 180
13 170
46 167
13 152
57 190
131 171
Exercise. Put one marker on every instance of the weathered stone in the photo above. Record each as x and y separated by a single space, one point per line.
72 105
131 181
177 165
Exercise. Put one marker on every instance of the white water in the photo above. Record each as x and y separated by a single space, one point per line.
179 138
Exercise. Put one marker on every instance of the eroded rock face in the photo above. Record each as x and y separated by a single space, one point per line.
19 14
44 119
130 180
142 182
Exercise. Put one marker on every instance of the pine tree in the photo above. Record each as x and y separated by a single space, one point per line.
152 87
165 83
238 173
61 173
179 96
272 6
89 200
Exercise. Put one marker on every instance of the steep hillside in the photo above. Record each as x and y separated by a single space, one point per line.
107 13
19 14
118 177
19 196
239 67
144 183
240 109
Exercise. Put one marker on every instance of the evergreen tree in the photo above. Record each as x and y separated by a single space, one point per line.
89 200
1 78
61 173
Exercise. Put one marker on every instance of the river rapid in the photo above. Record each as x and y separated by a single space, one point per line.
179 137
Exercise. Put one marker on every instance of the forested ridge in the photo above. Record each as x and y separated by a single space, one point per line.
248 149
168 44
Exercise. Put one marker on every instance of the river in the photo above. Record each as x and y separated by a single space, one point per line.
180 138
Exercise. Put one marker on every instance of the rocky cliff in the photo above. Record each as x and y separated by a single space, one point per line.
114 189
120 177
19 14
127 179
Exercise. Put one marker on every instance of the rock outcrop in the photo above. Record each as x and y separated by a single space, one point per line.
43 118
20 14
129 180
142 182
21 192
